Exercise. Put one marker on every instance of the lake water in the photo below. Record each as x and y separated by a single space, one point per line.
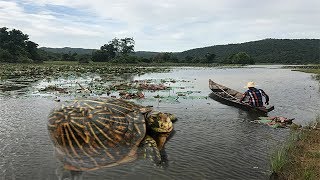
211 140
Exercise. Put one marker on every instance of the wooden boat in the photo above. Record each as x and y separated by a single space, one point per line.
232 97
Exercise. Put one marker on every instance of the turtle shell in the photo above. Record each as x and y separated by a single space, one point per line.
93 133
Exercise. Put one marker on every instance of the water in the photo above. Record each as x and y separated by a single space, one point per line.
211 140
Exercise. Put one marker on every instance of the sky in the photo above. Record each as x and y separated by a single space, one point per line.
160 25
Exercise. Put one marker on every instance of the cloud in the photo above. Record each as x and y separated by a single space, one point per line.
162 25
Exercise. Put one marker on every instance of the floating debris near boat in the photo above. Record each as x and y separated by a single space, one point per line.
275 121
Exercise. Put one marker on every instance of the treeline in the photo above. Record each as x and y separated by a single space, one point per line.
16 47
281 51
122 51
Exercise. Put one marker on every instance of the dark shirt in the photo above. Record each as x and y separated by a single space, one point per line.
255 97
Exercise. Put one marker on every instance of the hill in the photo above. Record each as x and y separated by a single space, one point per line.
265 51
82 51
66 50
145 54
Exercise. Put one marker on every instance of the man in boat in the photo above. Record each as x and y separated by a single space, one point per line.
255 95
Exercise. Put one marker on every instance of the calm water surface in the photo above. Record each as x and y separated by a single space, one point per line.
212 140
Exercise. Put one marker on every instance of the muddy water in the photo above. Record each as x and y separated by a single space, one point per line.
211 140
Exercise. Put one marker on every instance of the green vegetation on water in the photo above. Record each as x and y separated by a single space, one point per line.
18 76
58 69
102 79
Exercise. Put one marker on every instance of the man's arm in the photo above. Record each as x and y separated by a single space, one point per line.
243 96
266 96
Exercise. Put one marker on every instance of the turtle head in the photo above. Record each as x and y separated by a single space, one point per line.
159 126
159 122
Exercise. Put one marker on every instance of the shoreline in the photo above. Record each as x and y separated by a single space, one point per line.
300 156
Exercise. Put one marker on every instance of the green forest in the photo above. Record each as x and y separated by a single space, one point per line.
15 47
284 51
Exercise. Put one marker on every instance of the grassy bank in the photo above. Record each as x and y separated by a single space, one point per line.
299 158
316 72
315 69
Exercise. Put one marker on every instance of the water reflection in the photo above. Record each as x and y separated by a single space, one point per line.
63 174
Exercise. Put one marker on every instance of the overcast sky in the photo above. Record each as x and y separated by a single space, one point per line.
160 25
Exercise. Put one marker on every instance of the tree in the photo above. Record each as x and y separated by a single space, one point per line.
106 53
100 56
126 46
116 48
164 57
32 49
110 49
16 43
239 58
243 58
69 56
4 36
209 58
116 44
84 58
5 56
16 47
188 59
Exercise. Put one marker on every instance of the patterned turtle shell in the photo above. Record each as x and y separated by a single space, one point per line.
94 133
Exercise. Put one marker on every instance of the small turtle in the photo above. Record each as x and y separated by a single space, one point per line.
90 134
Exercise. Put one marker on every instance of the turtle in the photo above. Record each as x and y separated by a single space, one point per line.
93 133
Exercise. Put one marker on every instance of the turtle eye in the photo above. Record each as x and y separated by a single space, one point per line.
155 116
